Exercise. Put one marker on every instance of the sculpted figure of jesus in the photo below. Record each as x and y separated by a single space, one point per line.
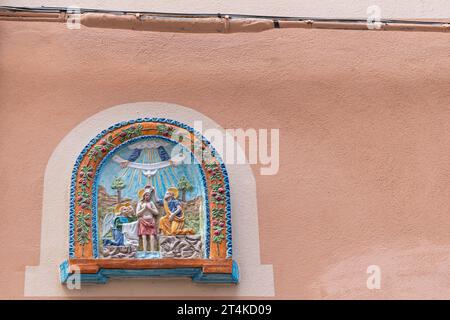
147 212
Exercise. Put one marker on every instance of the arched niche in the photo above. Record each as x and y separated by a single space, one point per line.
156 231
43 280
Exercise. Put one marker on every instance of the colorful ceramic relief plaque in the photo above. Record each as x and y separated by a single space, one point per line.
150 198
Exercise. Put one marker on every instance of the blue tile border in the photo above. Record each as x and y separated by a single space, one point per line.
94 200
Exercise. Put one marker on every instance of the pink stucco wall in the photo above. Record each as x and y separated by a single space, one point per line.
364 126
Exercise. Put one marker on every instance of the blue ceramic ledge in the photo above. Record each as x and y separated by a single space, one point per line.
195 274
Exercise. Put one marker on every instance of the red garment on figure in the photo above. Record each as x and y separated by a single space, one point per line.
146 227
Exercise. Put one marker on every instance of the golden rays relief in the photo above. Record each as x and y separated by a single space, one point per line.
148 196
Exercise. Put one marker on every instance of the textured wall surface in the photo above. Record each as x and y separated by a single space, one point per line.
365 140
405 9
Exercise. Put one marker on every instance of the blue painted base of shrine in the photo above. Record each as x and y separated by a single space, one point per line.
195 274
